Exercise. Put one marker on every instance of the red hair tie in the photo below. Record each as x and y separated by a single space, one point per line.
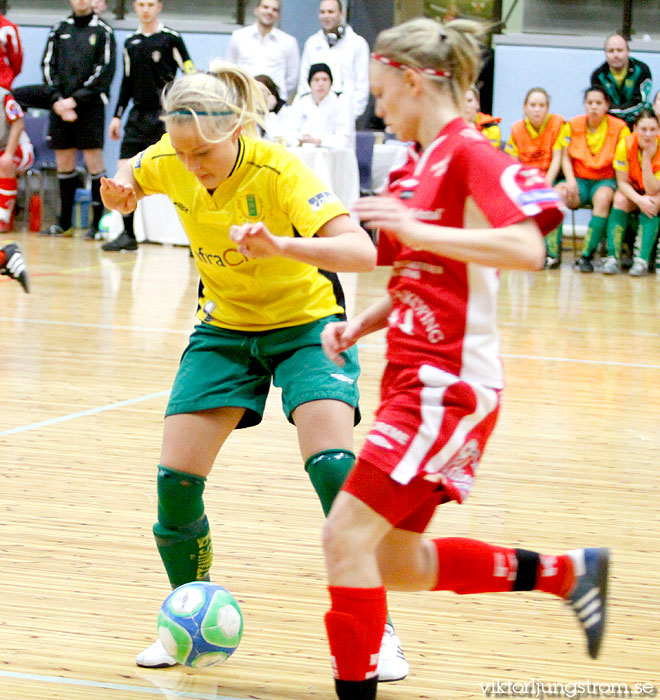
402 66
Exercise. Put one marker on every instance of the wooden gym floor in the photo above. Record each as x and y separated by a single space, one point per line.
86 362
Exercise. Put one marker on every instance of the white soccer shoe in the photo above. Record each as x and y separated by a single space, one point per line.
392 664
155 656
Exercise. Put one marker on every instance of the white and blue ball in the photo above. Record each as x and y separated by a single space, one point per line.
200 624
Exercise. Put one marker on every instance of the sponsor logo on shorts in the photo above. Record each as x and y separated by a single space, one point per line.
391 432
460 470
343 378
321 199
380 441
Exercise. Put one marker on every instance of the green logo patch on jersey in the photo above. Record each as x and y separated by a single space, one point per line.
249 207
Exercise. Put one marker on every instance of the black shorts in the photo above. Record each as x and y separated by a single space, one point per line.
86 133
142 129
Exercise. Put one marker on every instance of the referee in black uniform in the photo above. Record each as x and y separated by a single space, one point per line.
152 56
78 66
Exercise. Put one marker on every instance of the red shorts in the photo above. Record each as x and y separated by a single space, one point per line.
424 448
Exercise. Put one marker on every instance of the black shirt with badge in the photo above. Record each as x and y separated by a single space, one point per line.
150 63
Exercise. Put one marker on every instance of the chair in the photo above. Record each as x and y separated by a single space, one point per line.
364 150
36 122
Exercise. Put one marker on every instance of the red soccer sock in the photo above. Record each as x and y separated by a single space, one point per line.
555 575
355 624
8 187
471 566
3 259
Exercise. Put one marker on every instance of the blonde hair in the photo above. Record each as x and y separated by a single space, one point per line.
220 102
423 43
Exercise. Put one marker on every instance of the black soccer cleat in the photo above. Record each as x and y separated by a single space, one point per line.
14 265
589 595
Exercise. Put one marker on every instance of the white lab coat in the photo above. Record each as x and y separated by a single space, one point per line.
331 120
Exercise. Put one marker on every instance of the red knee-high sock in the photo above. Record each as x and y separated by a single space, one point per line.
8 188
471 566
355 624
3 259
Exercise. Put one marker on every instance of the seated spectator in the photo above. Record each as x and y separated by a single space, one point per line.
637 166
486 123
537 141
321 117
588 166
16 156
273 129
626 80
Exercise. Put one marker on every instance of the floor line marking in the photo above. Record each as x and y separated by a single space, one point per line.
165 692
607 363
81 414
100 326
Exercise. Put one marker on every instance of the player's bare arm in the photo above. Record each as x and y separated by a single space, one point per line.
516 247
121 192
340 245
338 337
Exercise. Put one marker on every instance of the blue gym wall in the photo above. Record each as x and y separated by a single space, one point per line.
299 17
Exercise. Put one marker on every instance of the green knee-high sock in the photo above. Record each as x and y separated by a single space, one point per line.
553 242
327 471
182 531
616 227
649 227
595 233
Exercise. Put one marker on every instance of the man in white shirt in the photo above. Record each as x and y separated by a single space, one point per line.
346 52
264 49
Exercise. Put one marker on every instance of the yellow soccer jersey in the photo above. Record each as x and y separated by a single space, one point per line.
268 184
621 159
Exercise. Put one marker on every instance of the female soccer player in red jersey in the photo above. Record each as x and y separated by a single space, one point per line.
453 214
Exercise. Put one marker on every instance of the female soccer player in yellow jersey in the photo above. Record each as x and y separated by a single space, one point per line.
267 237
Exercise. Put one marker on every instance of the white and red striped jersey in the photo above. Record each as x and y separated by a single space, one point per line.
444 310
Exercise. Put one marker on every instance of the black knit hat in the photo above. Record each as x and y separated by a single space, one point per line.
318 68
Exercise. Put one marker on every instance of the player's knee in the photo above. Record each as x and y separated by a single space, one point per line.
180 502
327 471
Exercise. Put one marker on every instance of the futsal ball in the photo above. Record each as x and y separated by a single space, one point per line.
200 624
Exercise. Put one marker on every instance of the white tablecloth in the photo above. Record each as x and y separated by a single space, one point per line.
156 220
335 166
386 157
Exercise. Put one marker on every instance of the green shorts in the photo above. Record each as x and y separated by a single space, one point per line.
587 188
234 368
